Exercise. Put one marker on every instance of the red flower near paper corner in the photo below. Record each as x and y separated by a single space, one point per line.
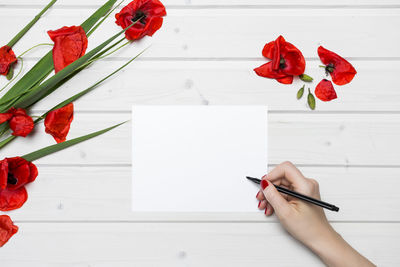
15 173
58 122
7 59
70 43
7 229
325 91
20 123
286 61
148 12
342 72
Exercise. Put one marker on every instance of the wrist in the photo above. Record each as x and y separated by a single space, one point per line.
328 246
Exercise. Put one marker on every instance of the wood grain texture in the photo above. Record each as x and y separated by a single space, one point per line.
225 3
78 212
304 138
176 244
224 83
69 193
212 33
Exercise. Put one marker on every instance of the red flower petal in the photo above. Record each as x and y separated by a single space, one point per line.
58 122
70 43
7 229
7 59
343 72
23 171
12 199
150 12
3 173
21 124
286 61
325 91
266 71
5 117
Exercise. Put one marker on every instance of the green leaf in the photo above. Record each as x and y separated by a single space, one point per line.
73 98
44 66
60 146
10 73
300 92
42 90
305 78
311 100
30 24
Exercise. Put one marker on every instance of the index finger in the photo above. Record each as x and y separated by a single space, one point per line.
287 171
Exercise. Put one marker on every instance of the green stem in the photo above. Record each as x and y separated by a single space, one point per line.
19 72
103 19
73 98
30 24
23 53
322 66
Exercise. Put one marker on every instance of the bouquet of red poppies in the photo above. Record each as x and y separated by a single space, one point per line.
68 57
287 62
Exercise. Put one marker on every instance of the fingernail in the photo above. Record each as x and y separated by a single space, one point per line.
259 203
264 184
257 194
265 176
265 212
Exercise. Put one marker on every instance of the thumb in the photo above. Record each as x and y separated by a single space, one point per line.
280 205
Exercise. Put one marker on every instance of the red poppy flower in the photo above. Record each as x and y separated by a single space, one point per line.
58 121
286 61
7 59
70 43
20 123
148 12
342 72
325 91
7 229
15 173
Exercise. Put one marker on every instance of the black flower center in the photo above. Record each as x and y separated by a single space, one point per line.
329 68
11 179
141 16
282 63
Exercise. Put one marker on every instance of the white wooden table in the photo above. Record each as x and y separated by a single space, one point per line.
78 212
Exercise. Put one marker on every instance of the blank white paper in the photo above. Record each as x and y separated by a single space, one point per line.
196 158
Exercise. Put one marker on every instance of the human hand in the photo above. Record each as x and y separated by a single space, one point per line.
304 221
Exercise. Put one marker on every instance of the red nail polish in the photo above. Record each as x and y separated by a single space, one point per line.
264 184
264 177
257 194
259 203
265 212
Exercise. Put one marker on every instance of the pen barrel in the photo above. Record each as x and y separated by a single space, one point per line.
307 198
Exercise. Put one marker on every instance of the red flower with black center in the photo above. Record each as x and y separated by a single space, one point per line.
7 229
20 123
149 14
70 43
286 61
325 91
58 122
7 59
342 72
15 173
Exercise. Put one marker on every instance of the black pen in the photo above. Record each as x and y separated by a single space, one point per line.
299 196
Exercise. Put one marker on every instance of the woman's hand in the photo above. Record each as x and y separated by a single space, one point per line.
304 221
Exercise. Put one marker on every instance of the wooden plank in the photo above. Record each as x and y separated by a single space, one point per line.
304 138
184 36
194 244
69 193
225 83
228 3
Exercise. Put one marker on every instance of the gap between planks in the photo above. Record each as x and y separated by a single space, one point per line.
189 221
189 6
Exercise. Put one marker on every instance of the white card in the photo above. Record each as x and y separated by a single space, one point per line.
196 158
